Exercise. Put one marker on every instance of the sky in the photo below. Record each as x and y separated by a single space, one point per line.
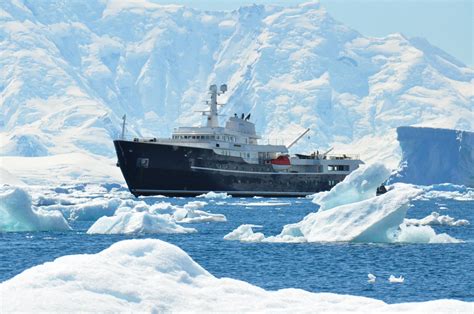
447 24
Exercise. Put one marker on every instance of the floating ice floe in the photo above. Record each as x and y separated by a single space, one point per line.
436 219
421 234
150 275
211 195
18 214
137 222
393 279
371 278
351 212
191 213
244 233
448 191
139 217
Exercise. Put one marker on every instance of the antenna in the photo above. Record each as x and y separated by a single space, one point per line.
298 138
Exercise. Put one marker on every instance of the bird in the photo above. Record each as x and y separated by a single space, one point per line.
371 278
394 279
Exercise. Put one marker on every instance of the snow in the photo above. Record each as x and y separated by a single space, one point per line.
71 168
18 214
154 276
137 222
436 219
6 177
433 156
360 185
213 195
70 72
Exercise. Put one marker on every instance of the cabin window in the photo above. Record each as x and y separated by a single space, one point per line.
338 167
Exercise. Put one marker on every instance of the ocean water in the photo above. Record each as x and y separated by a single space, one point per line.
431 271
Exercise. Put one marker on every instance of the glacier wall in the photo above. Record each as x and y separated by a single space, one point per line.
433 156
70 70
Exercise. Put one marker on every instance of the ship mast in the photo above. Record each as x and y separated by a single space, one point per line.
212 115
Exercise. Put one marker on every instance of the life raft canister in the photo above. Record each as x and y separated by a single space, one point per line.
282 162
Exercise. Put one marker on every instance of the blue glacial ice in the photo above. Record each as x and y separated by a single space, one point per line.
18 214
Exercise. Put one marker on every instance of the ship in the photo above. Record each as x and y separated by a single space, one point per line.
225 159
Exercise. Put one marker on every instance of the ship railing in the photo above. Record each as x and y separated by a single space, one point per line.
342 156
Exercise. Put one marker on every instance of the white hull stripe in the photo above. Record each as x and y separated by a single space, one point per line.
261 172
185 192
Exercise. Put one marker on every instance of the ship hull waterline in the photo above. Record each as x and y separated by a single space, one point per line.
171 170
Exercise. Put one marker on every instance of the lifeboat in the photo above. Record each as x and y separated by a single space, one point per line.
282 162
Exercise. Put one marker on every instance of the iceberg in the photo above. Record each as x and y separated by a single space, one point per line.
433 156
18 214
150 275
360 185
371 220
137 222
93 209
351 212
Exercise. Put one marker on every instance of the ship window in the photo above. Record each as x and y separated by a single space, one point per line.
338 167
194 137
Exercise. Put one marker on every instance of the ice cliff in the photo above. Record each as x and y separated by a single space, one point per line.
70 70
154 276
433 156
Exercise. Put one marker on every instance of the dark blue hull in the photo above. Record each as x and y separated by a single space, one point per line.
150 168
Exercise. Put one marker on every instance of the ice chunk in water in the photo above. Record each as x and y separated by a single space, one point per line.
18 214
137 222
371 220
394 279
245 233
436 219
211 195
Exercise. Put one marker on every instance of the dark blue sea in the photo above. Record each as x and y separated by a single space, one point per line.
431 271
